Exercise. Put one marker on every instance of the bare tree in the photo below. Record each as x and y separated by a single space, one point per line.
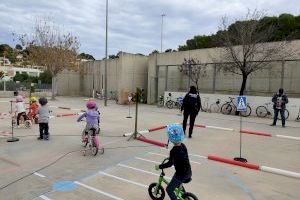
193 69
245 49
51 47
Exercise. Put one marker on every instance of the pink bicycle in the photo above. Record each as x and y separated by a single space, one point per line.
91 142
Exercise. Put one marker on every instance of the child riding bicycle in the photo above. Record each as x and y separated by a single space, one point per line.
179 158
92 116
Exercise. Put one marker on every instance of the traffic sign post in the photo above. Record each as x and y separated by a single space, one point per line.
129 101
12 139
241 105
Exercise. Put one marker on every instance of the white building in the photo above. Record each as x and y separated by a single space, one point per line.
11 71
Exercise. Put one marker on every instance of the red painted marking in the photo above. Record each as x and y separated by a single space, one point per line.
256 133
66 114
157 128
10 162
200 126
233 162
143 139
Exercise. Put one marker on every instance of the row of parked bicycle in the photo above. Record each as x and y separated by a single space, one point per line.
226 108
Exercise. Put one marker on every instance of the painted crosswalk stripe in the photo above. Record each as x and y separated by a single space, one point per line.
152 161
40 175
44 197
98 191
124 180
141 170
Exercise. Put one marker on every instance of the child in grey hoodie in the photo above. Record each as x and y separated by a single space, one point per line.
43 119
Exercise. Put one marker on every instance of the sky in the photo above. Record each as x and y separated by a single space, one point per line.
134 26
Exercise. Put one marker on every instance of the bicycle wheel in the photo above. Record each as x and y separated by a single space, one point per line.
160 103
159 195
189 196
286 114
261 111
226 108
94 148
214 108
246 113
169 104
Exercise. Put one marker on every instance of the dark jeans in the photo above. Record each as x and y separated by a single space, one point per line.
44 128
175 183
192 121
276 112
19 116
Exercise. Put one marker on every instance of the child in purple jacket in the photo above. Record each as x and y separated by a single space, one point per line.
92 116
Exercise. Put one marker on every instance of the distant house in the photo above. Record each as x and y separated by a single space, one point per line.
4 61
11 71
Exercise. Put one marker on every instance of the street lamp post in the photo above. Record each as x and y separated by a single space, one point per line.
105 68
161 35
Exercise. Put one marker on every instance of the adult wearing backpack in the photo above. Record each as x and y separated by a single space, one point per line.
190 107
280 100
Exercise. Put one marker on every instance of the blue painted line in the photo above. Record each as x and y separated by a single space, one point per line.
63 186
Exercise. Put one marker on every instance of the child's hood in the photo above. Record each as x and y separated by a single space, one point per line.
92 113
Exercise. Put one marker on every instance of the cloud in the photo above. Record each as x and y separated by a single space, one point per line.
134 25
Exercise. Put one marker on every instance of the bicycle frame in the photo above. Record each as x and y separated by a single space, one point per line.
178 191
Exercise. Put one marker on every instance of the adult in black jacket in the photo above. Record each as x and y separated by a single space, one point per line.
280 100
190 107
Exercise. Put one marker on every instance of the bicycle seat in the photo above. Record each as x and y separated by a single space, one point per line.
188 180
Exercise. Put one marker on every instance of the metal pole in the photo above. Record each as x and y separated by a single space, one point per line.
161 35
93 81
105 69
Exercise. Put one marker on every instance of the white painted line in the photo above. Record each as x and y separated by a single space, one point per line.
127 134
288 137
97 190
220 128
195 162
141 170
140 132
199 156
158 154
143 132
152 161
280 172
76 109
40 175
124 180
44 197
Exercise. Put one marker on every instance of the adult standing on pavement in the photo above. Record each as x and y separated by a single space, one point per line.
280 100
190 107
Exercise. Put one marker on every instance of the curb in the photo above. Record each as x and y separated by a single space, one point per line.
255 167
256 133
66 115
233 162
154 142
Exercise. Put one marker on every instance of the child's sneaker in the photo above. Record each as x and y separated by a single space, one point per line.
46 137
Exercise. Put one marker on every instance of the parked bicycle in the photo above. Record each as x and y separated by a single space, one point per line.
204 104
298 116
113 96
214 107
161 101
264 111
171 104
157 192
229 107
